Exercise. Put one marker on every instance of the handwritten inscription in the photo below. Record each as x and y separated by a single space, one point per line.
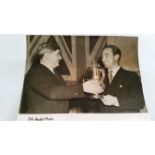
35 118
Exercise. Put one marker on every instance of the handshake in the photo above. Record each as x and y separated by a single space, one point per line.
93 87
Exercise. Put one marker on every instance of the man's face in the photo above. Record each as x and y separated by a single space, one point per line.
109 59
54 57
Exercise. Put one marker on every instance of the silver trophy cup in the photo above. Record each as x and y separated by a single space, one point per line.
95 73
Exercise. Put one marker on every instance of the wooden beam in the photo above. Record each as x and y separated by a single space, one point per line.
78 57
33 51
27 45
66 46
100 49
87 49
33 43
39 41
74 59
65 54
97 49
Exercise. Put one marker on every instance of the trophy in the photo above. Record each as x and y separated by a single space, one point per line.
95 73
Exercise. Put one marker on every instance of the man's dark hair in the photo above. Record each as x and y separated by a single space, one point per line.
115 50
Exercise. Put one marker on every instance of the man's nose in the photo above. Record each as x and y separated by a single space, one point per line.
103 59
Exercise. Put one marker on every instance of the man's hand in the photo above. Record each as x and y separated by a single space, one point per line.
110 100
92 86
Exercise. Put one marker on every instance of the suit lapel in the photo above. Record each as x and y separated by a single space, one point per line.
54 76
57 75
116 76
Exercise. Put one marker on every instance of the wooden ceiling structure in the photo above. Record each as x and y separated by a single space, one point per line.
78 52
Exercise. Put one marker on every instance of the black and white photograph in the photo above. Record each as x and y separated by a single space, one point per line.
77 77
82 74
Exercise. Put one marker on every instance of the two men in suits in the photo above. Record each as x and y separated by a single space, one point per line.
123 91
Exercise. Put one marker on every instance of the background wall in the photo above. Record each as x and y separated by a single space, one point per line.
79 52
129 48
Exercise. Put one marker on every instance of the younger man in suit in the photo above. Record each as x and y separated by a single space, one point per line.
124 90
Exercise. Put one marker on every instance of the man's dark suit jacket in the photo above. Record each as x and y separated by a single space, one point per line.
126 86
45 92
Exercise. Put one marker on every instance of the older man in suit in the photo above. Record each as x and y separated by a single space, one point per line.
44 89
124 90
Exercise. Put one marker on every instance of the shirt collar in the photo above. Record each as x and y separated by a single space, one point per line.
114 70
51 69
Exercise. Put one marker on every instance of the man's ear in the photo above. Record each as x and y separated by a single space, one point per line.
43 51
117 57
